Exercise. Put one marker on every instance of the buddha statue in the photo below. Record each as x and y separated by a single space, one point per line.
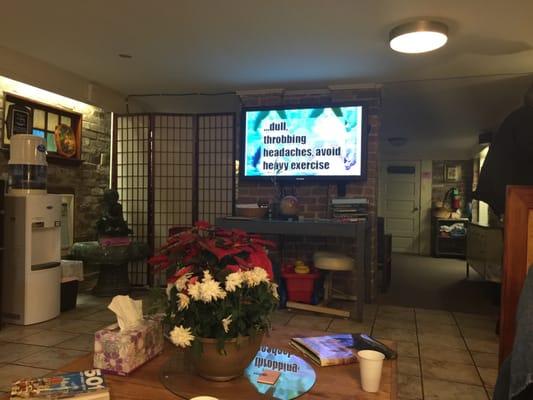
112 222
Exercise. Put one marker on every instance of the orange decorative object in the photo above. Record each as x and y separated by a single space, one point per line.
65 140
289 206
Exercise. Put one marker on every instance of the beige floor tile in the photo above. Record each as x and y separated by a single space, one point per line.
475 333
435 389
431 318
469 316
103 315
10 352
51 358
395 334
383 322
430 311
396 313
489 376
489 326
408 317
407 349
309 321
281 317
47 338
449 371
369 311
482 346
10 372
440 353
442 341
395 309
409 387
485 360
13 333
425 327
81 342
80 326
350 326
79 313
409 365
50 324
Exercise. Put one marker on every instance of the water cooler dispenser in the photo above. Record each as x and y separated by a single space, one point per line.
32 273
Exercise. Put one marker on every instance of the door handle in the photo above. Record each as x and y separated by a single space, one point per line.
415 209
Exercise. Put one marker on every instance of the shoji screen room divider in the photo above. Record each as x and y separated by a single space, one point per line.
171 170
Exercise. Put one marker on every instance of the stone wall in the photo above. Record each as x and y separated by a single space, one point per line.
86 181
314 198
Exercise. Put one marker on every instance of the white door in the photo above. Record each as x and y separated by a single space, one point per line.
400 204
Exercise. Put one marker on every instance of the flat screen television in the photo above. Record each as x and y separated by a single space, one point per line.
304 143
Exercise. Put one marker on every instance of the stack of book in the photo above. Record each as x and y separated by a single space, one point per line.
354 209
83 385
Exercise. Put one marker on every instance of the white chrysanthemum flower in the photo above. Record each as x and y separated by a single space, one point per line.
274 290
210 290
234 281
260 274
207 276
255 276
183 301
250 278
195 290
181 283
181 337
226 323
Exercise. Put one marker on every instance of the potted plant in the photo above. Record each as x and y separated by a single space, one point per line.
220 296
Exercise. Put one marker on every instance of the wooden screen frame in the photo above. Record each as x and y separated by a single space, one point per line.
517 257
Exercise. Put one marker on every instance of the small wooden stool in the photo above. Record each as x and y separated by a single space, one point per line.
331 262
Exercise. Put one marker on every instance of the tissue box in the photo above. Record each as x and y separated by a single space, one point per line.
122 352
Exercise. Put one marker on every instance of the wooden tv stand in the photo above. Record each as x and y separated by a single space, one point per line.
321 227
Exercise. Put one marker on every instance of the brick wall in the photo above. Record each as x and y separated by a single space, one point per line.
315 197
86 181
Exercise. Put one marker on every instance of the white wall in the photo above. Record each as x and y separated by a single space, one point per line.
426 180
29 70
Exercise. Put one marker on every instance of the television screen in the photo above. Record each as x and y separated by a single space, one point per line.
303 143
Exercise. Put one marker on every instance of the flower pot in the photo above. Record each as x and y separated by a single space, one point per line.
216 366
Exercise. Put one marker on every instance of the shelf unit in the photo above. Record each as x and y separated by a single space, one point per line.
448 246
2 216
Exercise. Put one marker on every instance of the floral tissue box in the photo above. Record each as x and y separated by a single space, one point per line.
122 352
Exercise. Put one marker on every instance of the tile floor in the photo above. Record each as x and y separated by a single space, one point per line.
442 355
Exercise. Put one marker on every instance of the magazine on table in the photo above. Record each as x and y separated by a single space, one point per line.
334 349
337 349
82 385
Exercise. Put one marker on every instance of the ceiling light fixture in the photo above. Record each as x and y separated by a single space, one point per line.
418 36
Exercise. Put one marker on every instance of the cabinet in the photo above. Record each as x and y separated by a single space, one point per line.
449 237
356 230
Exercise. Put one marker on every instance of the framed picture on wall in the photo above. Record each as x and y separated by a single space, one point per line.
452 172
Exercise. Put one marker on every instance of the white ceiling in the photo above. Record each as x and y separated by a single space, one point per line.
208 45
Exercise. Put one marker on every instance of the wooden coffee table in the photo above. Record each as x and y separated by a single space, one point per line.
337 382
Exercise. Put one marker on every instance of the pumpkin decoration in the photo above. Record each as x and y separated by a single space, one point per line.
65 140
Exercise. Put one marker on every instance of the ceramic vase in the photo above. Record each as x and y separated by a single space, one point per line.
229 364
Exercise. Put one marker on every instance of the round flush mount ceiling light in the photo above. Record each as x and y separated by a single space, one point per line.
418 36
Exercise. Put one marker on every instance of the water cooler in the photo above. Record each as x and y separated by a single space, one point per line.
32 230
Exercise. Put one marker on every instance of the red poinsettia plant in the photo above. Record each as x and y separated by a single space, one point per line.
219 283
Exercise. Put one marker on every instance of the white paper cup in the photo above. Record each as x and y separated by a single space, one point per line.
370 365
204 398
